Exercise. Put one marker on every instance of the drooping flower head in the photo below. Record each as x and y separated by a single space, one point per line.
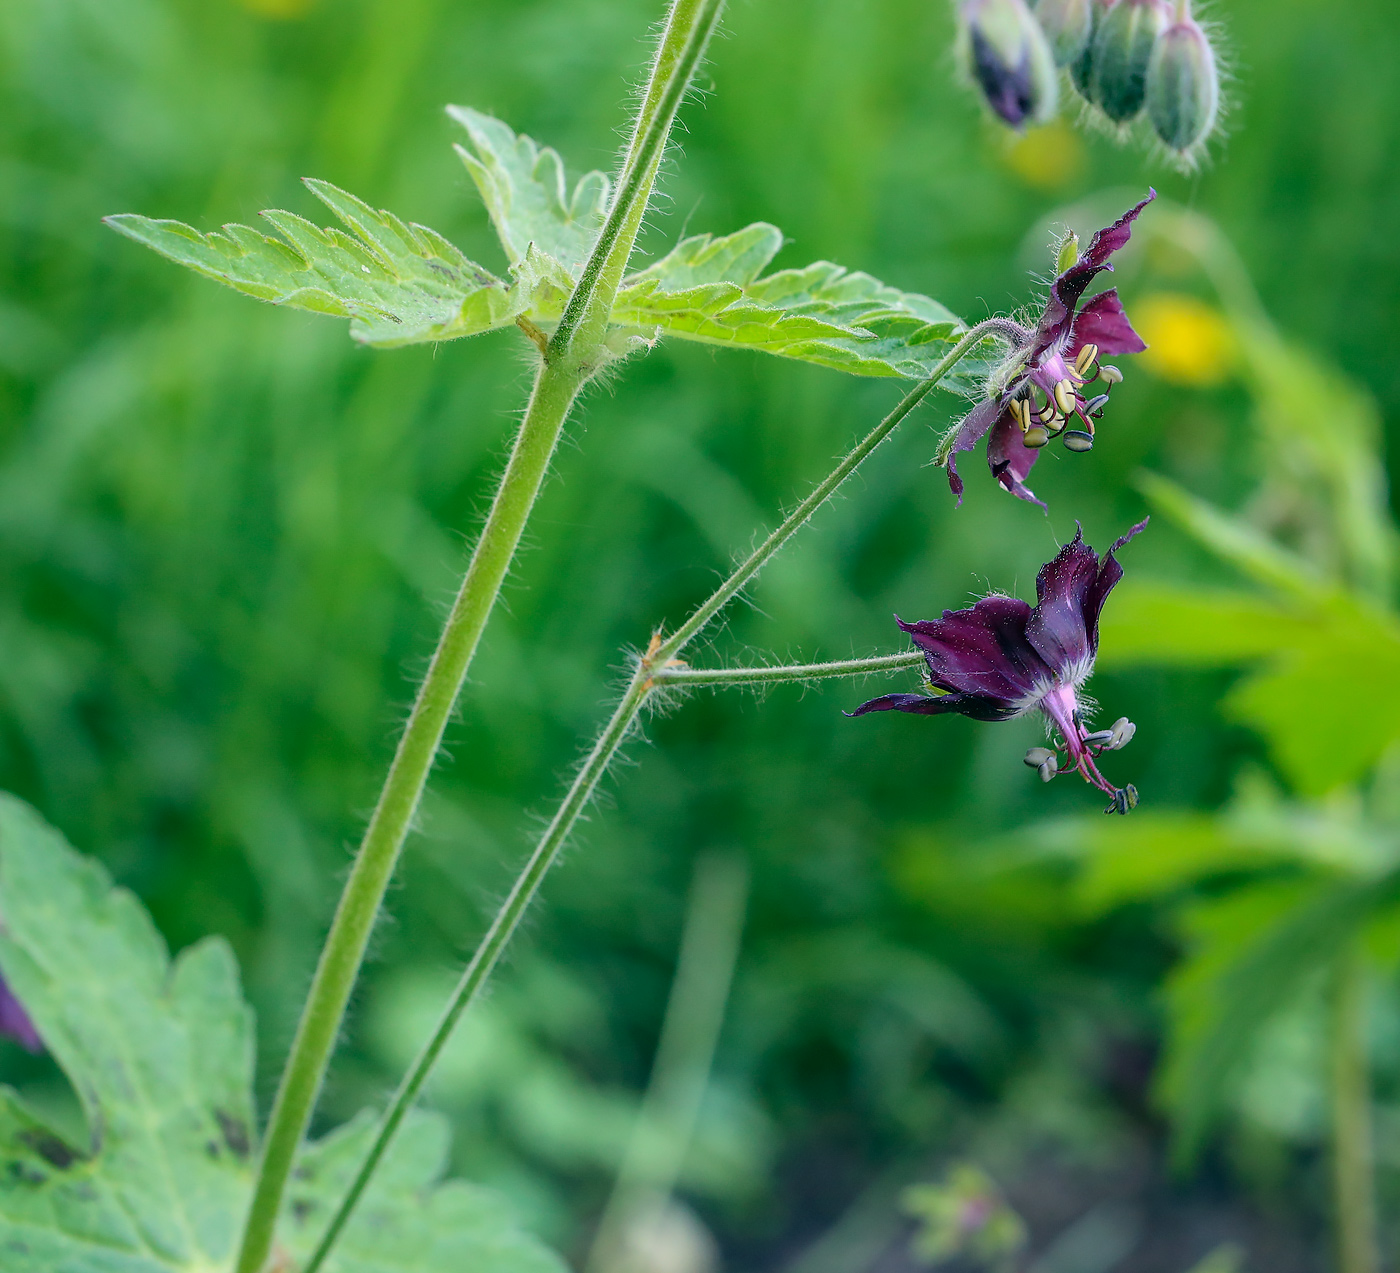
1002 658
15 1022
1041 387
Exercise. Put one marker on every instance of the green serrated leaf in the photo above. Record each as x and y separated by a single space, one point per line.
161 1057
399 284
407 1223
709 290
523 187
403 284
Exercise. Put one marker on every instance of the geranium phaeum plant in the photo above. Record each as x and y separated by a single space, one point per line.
1002 658
1039 388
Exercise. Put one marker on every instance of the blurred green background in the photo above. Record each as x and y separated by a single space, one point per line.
227 536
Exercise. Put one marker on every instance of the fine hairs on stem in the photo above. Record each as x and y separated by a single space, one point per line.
648 674
572 356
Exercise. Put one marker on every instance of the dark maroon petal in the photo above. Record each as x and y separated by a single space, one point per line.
982 650
1108 240
1057 628
1102 322
15 1022
974 705
1010 459
970 432
1070 286
1109 575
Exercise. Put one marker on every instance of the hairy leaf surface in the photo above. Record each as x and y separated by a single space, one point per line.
399 284
525 191
160 1055
711 290
403 284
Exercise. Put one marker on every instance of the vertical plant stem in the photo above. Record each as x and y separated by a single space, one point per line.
489 951
1353 1182
344 949
571 358
611 738
681 1072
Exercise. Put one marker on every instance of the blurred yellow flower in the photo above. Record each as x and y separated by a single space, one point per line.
1048 157
1188 341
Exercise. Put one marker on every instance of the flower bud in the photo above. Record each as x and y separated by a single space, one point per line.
1007 54
1081 68
1183 87
1123 47
1067 24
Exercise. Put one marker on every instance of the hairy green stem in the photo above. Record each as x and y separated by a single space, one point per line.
687 676
584 321
393 815
641 684
569 361
489 951
1353 1183
745 573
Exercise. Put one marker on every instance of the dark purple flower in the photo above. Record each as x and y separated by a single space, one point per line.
1040 388
1001 659
15 1022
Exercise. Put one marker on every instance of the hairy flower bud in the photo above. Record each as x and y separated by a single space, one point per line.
1067 24
1123 46
1082 67
1007 54
1183 87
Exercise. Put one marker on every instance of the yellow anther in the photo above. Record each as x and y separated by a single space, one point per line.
1110 374
1056 424
1036 438
1085 359
1064 396
1021 410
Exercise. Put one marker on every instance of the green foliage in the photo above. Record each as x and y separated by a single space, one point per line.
1250 956
1325 648
227 533
161 1057
709 290
405 284
398 284
964 1215
525 191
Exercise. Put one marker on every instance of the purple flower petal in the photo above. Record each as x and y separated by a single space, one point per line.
970 433
15 1022
981 651
1071 285
974 705
1102 322
1109 575
1011 460
1058 628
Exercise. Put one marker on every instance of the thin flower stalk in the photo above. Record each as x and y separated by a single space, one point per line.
692 677
649 672
572 356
